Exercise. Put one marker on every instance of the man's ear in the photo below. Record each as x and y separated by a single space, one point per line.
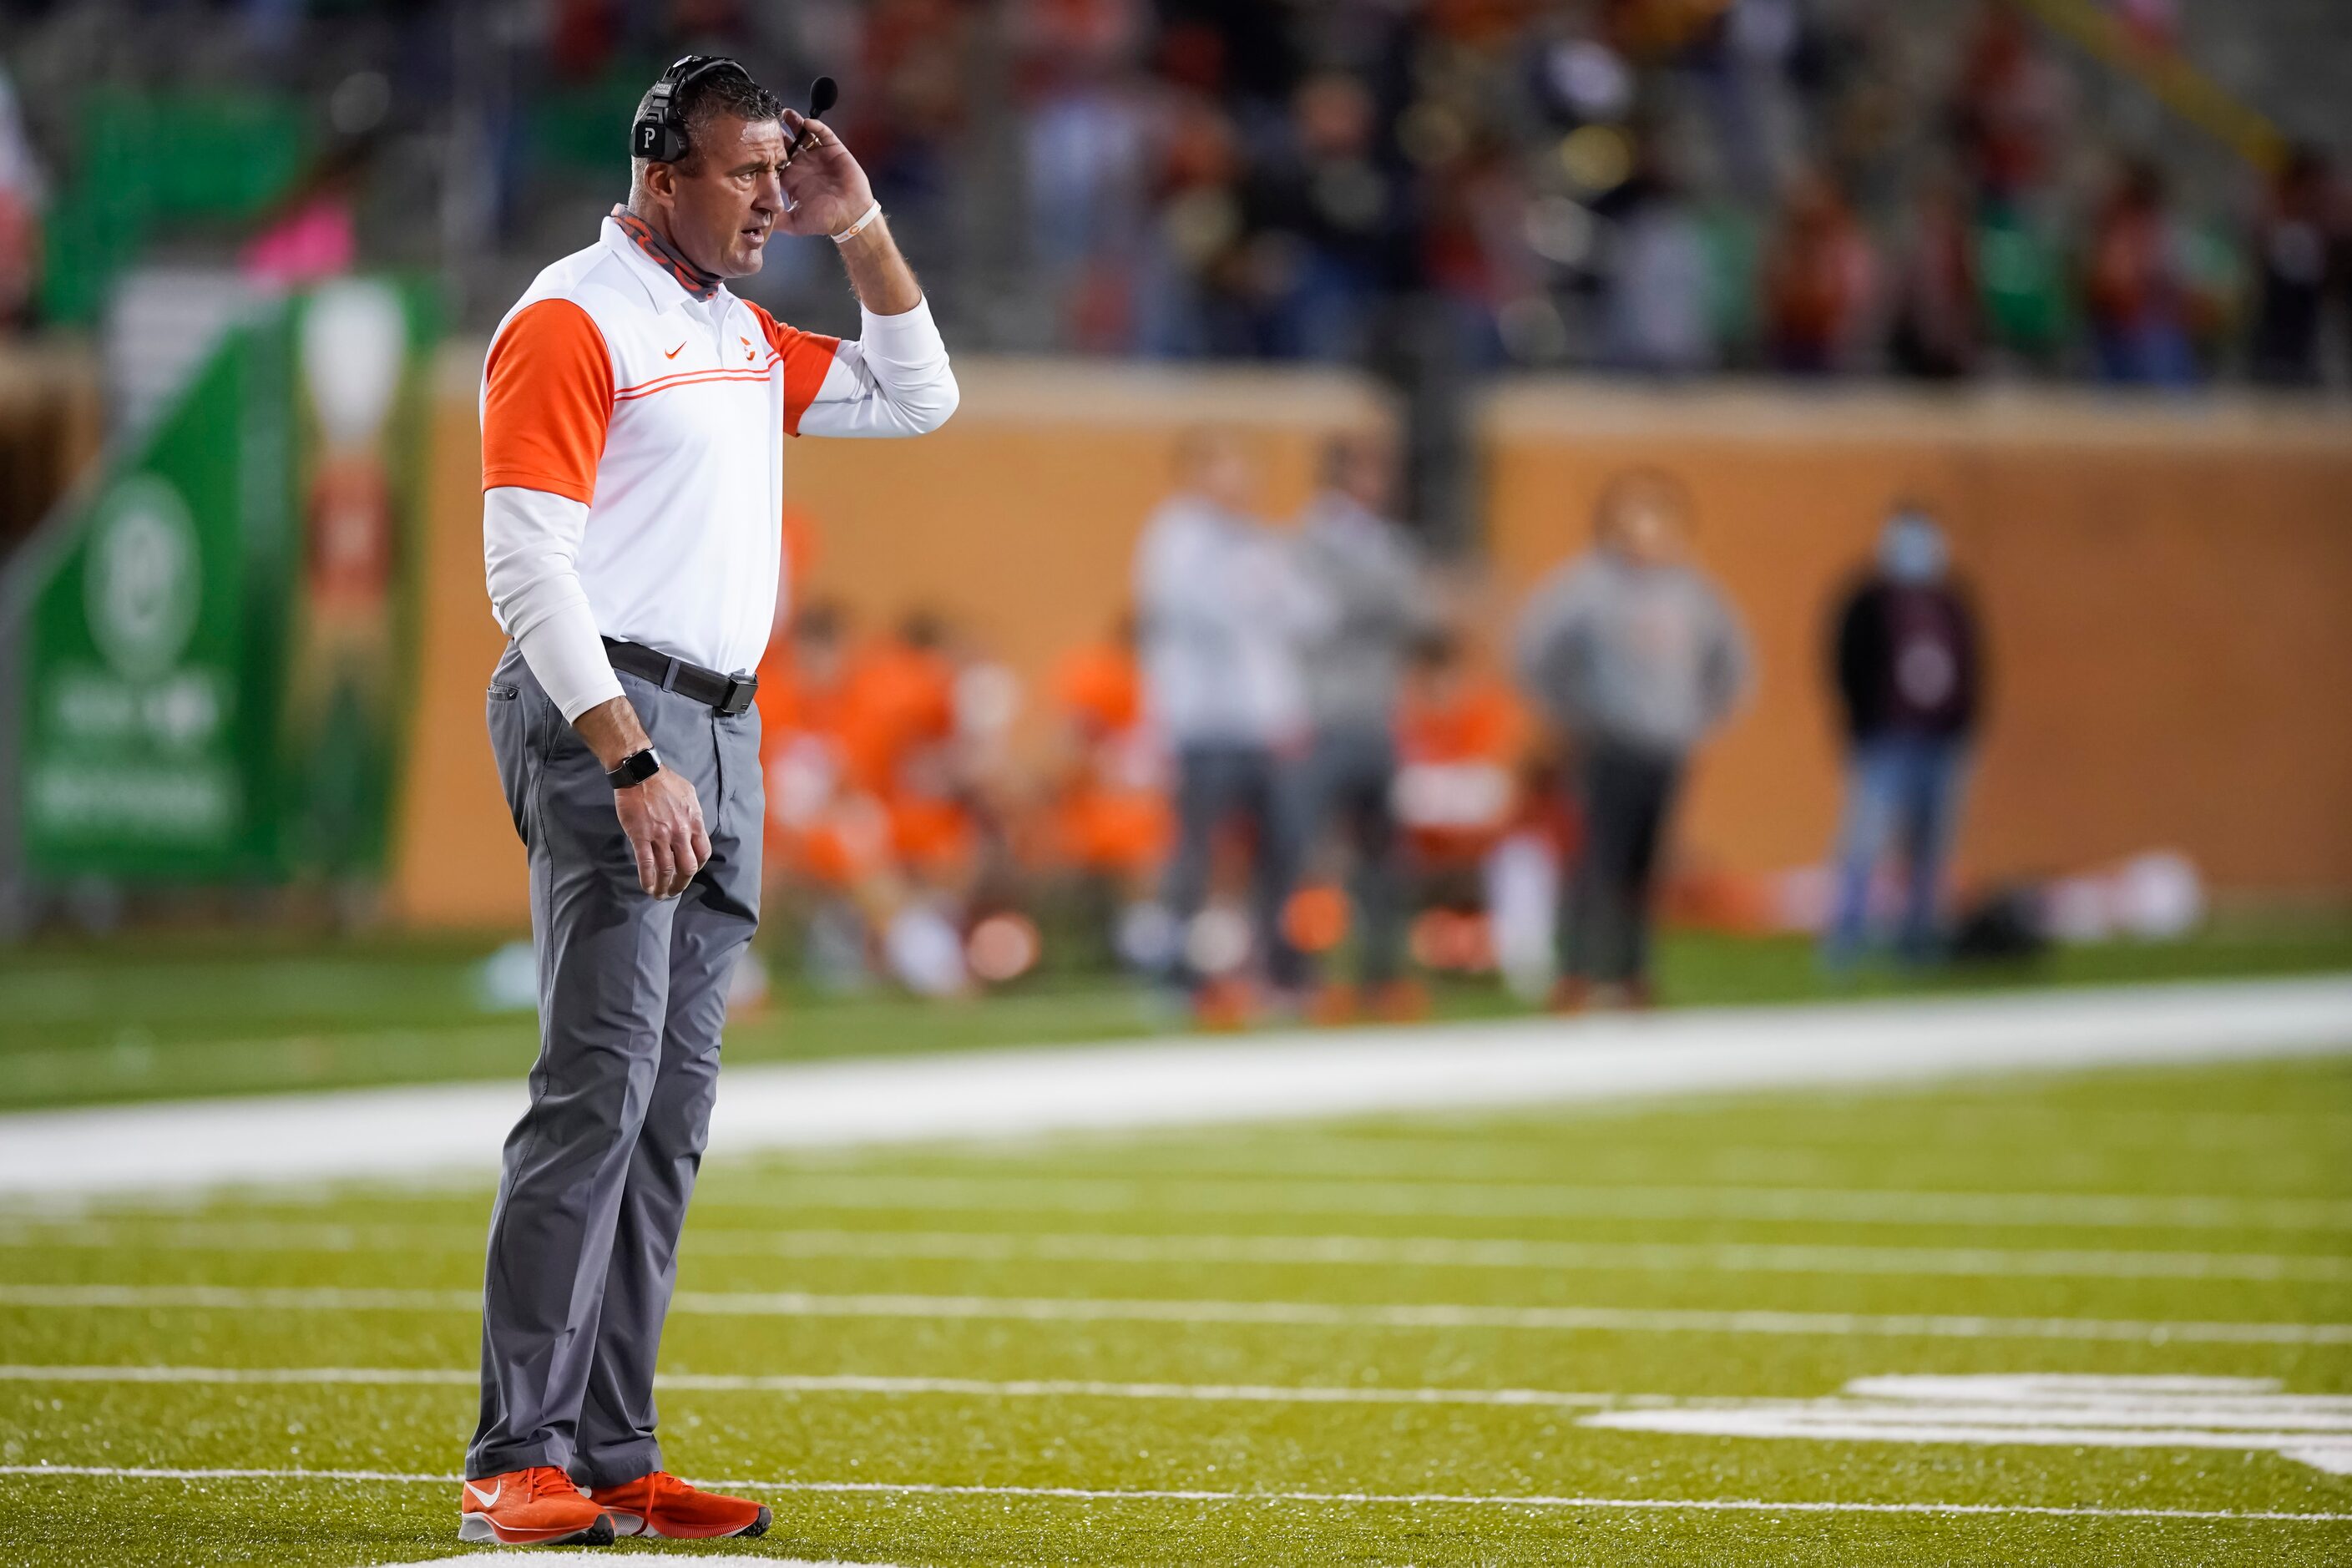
661 181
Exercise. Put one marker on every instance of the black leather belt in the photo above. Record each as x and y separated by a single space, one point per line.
731 694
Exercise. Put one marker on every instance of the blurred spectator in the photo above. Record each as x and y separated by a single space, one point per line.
1359 566
1324 220
1110 819
1820 279
1632 654
2139 290
1223 613
2012 107
1088 147
23 192
1655 302
1459 799
826 830
1905 657
1938 329
2299 252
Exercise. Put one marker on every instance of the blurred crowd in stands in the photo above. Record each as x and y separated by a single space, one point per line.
1661 186
1309 743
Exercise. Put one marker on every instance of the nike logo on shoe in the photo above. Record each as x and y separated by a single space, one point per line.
486 1499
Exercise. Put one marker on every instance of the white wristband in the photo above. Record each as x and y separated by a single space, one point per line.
854 229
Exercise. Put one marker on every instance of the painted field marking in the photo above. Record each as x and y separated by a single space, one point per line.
406 1133
1467 1200
1064 1247
1311 1314
857 1383
700 1561
2248 1414
1141 1494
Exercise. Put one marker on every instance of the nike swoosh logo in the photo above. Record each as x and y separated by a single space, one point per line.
489 1499
675 352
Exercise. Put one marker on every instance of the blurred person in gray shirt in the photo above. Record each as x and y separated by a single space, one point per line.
1224 614
1633 654
1365 576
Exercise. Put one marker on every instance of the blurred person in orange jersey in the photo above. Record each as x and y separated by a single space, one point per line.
1111 821
1820 280
905 746
1476 827
1223 613
1367 576
823 829
1634 657
1461 733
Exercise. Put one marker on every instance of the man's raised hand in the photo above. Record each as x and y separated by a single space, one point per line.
827 189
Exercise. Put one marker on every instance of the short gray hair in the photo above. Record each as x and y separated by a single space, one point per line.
708 97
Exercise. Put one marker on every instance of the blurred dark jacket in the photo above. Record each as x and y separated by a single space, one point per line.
1906 660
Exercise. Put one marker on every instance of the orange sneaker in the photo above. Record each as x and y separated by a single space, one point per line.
667 1509
537 1507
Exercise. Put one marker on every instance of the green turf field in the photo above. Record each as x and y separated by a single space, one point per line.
151 1014
988 1355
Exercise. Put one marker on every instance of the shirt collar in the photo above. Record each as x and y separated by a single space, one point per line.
665 290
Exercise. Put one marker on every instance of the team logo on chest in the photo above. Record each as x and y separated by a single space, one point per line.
748 355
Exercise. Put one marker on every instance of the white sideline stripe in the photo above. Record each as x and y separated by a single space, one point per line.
722 1382
700 1561
540 1556
1416 1251
1316 1314
1161 1083
1469 1200
1139 1494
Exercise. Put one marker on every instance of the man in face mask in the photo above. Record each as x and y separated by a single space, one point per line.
1905 656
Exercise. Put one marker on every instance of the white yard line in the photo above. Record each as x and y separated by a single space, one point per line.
414 1131
967 1387
1372 1251
539 1555
986 1192
1141 1494
1303 1314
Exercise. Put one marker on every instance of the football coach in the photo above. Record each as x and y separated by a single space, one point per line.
635 417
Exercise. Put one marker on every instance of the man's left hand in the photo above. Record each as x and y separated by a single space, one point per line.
827 189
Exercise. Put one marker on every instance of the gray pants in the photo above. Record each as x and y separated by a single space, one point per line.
1218 784
632 994
1346 782
1624 794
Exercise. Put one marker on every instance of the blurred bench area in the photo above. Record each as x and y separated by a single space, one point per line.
2168 588
2072 278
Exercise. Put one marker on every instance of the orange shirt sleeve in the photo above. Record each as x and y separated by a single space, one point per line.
807 357
549 400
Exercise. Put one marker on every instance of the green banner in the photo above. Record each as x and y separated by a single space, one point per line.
218 646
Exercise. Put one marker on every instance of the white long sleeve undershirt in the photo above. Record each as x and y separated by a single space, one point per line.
531 540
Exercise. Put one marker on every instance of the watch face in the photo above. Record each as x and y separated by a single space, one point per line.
636 768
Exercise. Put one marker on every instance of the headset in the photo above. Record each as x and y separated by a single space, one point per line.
659 133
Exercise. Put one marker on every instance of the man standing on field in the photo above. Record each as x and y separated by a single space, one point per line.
633 422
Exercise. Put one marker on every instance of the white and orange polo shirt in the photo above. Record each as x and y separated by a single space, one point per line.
633 439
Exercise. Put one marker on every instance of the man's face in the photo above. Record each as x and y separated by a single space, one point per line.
724 201
1370 474
1221 471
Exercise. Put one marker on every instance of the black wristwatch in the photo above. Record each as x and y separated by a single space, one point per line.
635 769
